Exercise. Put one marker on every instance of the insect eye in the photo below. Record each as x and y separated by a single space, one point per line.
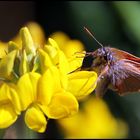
87 62
109 56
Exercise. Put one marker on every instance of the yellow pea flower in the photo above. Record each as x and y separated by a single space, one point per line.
60 77
27 94
61 38
44 81
7 115
27 41
27 89
67 45
56 102
36 32
63 104
38 98
35 119
48 84
94 120
9 105
81 83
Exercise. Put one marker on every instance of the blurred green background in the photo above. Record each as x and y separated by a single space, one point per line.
113 23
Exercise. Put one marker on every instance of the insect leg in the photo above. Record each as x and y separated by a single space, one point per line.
102 82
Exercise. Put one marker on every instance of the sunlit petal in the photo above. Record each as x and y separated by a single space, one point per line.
94 120
27 89
37 33
6 64
35 119
45 60
53 43
7 115
82 83
48 84
62 104
76 61
61 38
64 69
9 94
27 41
71 47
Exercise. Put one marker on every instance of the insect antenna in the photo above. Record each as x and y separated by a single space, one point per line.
93 37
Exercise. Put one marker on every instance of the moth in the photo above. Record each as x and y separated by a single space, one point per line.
117 70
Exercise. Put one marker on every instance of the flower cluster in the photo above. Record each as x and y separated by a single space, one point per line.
42 80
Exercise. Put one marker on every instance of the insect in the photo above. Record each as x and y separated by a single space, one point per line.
117 70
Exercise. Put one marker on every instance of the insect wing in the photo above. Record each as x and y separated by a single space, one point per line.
120 54
130 81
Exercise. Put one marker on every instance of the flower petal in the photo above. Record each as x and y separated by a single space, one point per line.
48 84
27 88
45 60
82 83
35 119
71 47
37 33
76 61
6 64
99 122
9 94
62 105
64 69
7 115
52 51
61 38
27 41
53 43
24 66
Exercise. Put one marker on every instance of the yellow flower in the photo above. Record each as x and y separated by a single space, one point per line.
79 83
56 102
46 82
27 93
94 120
9 105
36 32
53 96
69 47
35 119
